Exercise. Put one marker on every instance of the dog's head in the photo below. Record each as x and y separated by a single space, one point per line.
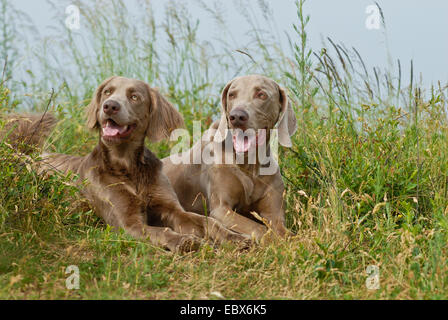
129 110
258 104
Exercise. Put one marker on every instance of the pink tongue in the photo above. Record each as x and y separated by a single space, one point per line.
112 129
243 143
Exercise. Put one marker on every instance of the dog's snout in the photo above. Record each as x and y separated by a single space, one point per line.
111 107
238 117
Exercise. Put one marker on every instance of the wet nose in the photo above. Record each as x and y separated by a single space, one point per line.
238 117
111 107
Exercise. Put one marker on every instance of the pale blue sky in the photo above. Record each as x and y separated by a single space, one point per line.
416 29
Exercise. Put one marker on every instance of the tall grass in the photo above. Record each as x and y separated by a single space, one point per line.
366 180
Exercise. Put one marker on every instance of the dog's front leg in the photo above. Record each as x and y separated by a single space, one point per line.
237 222
134 224
270 208
204 227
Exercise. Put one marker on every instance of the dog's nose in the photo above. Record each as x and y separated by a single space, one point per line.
238 117
111 107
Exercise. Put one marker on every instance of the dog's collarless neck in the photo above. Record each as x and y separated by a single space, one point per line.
120 157
139 162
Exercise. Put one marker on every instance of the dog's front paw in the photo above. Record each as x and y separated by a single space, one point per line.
241 241
245 244
188 243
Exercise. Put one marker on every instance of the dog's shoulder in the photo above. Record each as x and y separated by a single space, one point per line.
151 161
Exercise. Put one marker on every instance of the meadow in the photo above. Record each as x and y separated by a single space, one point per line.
366 179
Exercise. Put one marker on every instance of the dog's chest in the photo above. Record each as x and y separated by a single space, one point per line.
118 189
252 190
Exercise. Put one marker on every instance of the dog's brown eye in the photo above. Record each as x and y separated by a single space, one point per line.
134 97
107 92
262 95
231 95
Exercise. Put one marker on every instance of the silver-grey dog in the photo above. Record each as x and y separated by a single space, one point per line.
233 191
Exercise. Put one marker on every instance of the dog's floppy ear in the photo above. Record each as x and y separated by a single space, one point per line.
92 108
220 134
163 117
287 124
